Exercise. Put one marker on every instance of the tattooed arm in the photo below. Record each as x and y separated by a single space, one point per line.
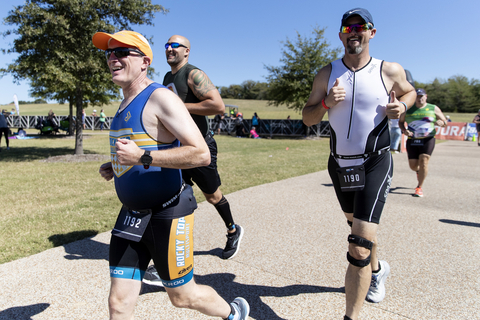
211 102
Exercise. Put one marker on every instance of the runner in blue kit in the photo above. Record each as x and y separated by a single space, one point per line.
152 138
360 94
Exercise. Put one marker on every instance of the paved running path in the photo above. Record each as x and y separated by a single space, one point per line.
292 260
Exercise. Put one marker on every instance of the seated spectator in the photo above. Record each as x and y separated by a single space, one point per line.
254 134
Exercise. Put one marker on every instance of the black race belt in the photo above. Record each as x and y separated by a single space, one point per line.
361 156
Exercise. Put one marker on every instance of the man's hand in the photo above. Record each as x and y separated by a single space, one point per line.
106 171
408 133
394 108
335 95
128 153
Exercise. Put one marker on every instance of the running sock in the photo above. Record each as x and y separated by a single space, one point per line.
223 208
347 318
232 314
379 268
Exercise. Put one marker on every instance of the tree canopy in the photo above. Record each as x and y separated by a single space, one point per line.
291 83
55 50
457 94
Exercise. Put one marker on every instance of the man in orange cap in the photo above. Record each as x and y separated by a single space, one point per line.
152 138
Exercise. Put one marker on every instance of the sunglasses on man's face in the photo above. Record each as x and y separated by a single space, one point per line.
174 45
122 52
356 27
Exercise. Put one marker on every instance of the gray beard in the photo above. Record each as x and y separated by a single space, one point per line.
354 50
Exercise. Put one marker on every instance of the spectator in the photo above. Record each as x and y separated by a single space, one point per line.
255 120
83 118
102 119
476 120
448 118
4 128
254 134
218 123
240 131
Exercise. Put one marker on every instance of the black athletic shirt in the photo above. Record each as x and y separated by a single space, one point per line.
178 83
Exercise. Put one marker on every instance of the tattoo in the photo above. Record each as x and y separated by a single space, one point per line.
201 83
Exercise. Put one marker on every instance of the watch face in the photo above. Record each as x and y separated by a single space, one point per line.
146 158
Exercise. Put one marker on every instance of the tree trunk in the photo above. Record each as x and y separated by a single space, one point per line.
78 123
71 127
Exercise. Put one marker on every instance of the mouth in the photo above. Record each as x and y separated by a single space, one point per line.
354 39
114 69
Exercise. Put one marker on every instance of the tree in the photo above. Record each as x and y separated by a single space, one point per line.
56 53
291 83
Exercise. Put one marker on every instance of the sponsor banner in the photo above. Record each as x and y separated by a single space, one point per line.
453 131
471 131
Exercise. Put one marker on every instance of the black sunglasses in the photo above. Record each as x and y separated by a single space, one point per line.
122 52
174 45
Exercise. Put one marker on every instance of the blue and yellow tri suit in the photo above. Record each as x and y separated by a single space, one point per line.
167 238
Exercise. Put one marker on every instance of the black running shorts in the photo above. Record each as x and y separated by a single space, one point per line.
367 204
414 152
169 242
206 178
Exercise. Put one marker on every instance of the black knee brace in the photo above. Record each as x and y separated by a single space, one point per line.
362 242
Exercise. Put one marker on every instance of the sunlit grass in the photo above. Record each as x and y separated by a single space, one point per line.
47 204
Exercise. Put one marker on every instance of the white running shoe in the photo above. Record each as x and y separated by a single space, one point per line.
376 293
242 309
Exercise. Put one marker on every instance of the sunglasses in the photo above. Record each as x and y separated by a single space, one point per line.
356 27
174 45
122 52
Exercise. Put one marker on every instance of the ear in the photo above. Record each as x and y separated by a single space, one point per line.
372 33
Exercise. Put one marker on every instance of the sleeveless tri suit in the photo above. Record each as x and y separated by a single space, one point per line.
157 193
360 138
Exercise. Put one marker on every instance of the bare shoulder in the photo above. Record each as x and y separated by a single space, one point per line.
393 69
321 78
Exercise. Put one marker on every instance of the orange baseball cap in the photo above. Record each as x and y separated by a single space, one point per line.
131 38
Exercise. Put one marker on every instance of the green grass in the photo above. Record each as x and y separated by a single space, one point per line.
47 204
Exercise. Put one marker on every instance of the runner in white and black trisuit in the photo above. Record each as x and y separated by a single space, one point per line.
360 94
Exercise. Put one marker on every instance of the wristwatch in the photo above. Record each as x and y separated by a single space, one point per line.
146 159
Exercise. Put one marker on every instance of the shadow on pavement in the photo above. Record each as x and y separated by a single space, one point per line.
461 223
24 312
224 284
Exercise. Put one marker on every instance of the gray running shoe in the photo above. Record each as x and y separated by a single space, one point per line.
242 309
151 277
233 243
376 293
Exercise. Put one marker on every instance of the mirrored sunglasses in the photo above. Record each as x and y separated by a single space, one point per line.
174 45
122 52
356 27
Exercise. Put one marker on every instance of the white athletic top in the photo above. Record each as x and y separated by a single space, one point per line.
359 124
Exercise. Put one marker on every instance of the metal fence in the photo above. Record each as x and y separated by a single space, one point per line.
266 128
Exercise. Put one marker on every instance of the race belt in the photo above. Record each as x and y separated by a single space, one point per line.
361 156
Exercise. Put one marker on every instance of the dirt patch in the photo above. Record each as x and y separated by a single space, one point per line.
77 158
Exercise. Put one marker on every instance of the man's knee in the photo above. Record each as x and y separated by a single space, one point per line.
359 251
120 305
214 198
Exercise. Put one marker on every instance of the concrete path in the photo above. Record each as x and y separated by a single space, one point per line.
292 260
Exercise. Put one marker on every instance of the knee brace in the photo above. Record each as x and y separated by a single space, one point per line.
362 242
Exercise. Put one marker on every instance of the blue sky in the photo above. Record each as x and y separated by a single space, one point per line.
233 40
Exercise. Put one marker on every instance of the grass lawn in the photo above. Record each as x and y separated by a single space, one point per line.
47 204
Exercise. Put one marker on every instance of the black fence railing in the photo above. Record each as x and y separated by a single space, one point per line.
266 128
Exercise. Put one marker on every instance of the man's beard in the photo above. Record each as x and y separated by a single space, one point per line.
354 50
